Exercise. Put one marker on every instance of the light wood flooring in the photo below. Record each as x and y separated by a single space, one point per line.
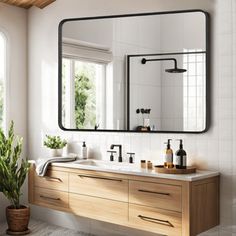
39 228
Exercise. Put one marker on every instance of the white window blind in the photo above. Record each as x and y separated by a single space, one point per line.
86 51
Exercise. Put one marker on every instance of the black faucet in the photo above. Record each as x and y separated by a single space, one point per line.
120 151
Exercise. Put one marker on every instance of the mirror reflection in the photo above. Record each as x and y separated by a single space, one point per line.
167 92
134 73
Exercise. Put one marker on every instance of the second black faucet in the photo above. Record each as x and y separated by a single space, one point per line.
120 151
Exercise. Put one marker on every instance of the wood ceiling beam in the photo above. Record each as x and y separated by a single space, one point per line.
42 3
29 3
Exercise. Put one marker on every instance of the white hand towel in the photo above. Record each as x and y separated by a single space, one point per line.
42 164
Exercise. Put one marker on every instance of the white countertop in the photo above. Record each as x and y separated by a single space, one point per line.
132 169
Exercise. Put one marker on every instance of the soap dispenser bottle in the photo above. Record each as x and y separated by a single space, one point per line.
168 156
181 157
84 151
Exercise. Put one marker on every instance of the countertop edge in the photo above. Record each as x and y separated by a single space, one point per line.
199 175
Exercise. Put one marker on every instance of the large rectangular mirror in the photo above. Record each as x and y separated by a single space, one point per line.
136 73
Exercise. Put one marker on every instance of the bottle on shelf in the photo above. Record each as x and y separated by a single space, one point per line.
168 156
84 151
181 157
149 165
143 164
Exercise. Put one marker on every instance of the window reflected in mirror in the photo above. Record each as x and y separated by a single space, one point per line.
81 99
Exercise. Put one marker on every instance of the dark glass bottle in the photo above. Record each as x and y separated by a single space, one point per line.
181 157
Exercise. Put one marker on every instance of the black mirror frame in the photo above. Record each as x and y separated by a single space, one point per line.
207 52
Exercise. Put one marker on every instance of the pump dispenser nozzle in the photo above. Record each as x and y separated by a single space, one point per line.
84 153
180 141
168 143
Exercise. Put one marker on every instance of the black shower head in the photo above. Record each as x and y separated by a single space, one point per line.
175 70
172 70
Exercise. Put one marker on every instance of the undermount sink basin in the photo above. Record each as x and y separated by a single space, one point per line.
89 162
107 165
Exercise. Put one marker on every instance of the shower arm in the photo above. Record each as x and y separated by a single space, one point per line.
144 60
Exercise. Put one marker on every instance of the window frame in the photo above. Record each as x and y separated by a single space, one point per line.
6 92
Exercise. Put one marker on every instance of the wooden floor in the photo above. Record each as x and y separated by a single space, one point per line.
39 228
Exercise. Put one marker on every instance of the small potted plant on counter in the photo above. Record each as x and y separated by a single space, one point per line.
56 144
13 171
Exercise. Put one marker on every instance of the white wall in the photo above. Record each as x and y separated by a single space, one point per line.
183 32
101 33
13 23
213 150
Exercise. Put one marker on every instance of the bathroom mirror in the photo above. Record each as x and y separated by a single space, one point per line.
135 73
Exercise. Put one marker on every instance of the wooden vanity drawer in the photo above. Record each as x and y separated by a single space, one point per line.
51 198
57 180
155 220
99 186
155 195
98 208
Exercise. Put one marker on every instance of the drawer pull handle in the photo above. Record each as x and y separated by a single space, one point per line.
159 193
156 221
52 179
50 198
96 177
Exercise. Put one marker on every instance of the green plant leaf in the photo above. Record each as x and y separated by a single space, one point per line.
13 169
54 142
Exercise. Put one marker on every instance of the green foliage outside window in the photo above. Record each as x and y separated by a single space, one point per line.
85 95
82 87
84 74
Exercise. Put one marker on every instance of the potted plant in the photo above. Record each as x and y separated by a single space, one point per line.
55 143
13 171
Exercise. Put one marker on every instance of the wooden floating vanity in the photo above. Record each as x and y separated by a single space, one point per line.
161 204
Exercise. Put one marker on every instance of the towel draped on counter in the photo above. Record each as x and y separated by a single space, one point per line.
42 164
